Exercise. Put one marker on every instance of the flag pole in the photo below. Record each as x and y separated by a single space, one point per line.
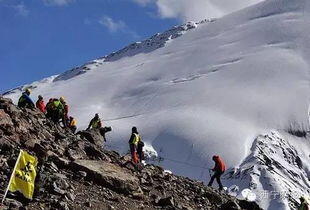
7 189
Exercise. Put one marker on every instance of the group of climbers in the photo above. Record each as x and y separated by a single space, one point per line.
56 109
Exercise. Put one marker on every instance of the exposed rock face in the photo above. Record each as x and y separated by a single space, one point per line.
76 172
108 174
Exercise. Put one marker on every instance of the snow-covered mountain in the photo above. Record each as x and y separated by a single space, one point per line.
232 86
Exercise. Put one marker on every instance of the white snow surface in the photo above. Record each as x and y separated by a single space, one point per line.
218 87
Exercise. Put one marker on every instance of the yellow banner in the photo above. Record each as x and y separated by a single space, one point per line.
24 175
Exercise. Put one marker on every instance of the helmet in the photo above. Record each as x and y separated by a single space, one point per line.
40 97
62 99
28 91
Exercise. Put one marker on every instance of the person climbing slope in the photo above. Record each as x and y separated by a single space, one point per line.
49 108
133 144
72 124
25 101
40 104
219 170
65 117
58 110
55 110
95 123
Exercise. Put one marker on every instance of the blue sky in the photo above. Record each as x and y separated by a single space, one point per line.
40 38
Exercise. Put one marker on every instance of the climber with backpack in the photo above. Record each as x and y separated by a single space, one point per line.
95 123
49 108
40 104
219 170
55 110
72 124
304 205
133 144
65 117
58 110
25 101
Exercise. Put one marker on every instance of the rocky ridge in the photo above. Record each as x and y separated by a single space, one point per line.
76 172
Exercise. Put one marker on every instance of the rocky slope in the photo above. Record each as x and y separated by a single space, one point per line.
76 172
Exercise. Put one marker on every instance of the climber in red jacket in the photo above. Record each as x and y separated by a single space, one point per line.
40 104
219 170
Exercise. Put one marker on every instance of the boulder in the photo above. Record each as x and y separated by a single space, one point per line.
93 136
109 175
167 201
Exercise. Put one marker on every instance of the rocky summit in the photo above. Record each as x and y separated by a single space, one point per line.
77 172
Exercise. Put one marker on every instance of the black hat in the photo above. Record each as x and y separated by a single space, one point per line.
134 129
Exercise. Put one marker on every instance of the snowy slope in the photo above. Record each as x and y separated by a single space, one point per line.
277 170
217 88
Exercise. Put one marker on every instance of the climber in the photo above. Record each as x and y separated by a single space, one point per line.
133 144
25 101
58 110
65 117
40 104
140 150
95 123
72 124
49 108
55 110
219 170
304 205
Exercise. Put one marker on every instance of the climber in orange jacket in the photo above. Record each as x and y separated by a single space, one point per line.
40 104
219 170
72 124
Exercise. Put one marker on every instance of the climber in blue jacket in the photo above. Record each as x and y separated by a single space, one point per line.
25 101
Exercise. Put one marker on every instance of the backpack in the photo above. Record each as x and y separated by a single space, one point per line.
141 143
57 106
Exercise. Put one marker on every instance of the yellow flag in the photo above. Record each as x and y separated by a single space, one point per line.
24 174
